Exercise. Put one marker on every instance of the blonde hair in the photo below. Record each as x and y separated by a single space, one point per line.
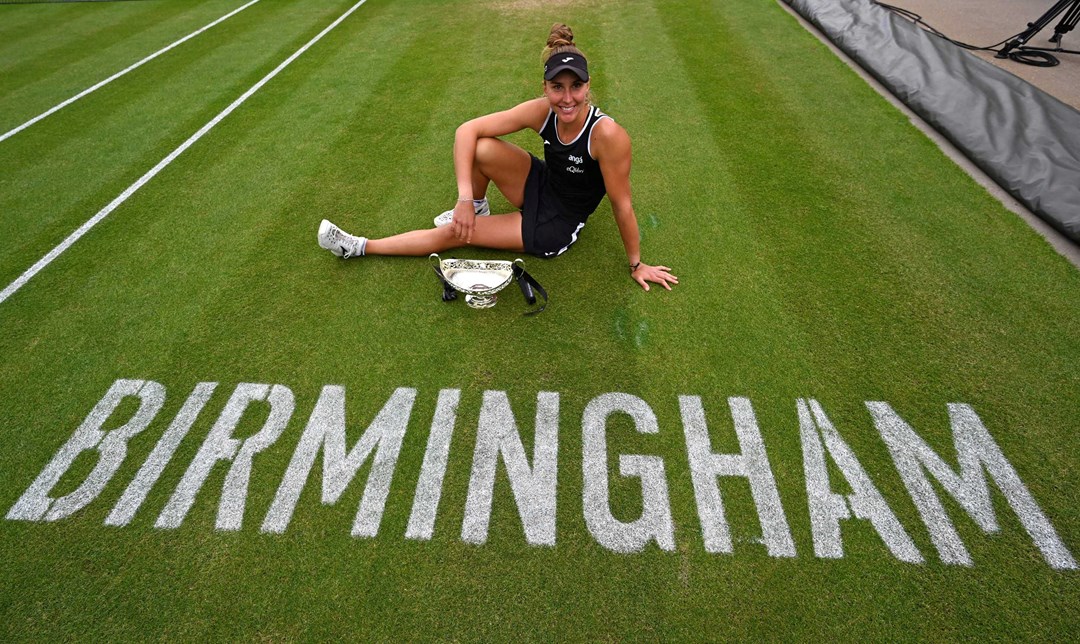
560 40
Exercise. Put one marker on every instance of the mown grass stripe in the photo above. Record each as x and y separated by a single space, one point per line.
23 22
50 64
132 189
56 108
66 168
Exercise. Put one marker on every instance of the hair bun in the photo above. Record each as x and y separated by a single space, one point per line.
560 36
559 41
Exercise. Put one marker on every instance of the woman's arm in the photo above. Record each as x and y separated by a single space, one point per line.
611 149
530 114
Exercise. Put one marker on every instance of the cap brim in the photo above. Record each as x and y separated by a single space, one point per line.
580 73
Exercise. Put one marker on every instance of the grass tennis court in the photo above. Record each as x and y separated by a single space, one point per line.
826 250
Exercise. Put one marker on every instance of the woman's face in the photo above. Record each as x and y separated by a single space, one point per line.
567 94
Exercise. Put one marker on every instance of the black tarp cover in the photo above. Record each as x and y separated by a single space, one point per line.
1024 139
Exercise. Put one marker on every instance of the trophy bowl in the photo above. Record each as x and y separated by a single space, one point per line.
478 279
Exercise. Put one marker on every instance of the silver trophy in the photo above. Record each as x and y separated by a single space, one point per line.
478 279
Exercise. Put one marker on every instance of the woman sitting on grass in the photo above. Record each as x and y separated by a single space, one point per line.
586 155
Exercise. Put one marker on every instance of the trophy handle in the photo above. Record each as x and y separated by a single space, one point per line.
529 287
448 294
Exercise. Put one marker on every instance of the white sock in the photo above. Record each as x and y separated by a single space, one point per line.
480 205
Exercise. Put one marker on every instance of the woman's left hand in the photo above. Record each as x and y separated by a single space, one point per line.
644 274
464 221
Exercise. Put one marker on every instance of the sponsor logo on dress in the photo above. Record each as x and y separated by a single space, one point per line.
576 159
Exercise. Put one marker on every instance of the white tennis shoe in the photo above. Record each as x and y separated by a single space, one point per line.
448 216
339 242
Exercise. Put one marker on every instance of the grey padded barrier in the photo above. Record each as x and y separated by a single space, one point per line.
1027 141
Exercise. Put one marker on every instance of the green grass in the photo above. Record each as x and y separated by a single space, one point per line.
825 249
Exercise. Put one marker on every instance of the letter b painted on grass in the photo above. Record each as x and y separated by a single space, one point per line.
36 505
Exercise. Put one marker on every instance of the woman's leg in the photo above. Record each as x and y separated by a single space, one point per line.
504 163
501 232
495 161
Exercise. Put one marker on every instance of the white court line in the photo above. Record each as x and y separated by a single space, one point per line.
121 73
104 212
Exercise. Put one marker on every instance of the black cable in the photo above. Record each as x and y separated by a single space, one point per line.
917 19
1034 57
1027 56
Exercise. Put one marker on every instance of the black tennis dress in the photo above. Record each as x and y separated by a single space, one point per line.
562 190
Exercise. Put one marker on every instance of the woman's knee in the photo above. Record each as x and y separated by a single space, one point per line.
446 239
487 149
505 164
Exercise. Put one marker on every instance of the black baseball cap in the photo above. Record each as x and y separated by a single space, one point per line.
558 63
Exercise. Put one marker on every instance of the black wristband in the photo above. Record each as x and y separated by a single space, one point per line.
634 267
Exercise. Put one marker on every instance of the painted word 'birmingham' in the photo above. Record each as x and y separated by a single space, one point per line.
534 486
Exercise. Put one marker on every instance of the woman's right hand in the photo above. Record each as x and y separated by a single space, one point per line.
464 221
